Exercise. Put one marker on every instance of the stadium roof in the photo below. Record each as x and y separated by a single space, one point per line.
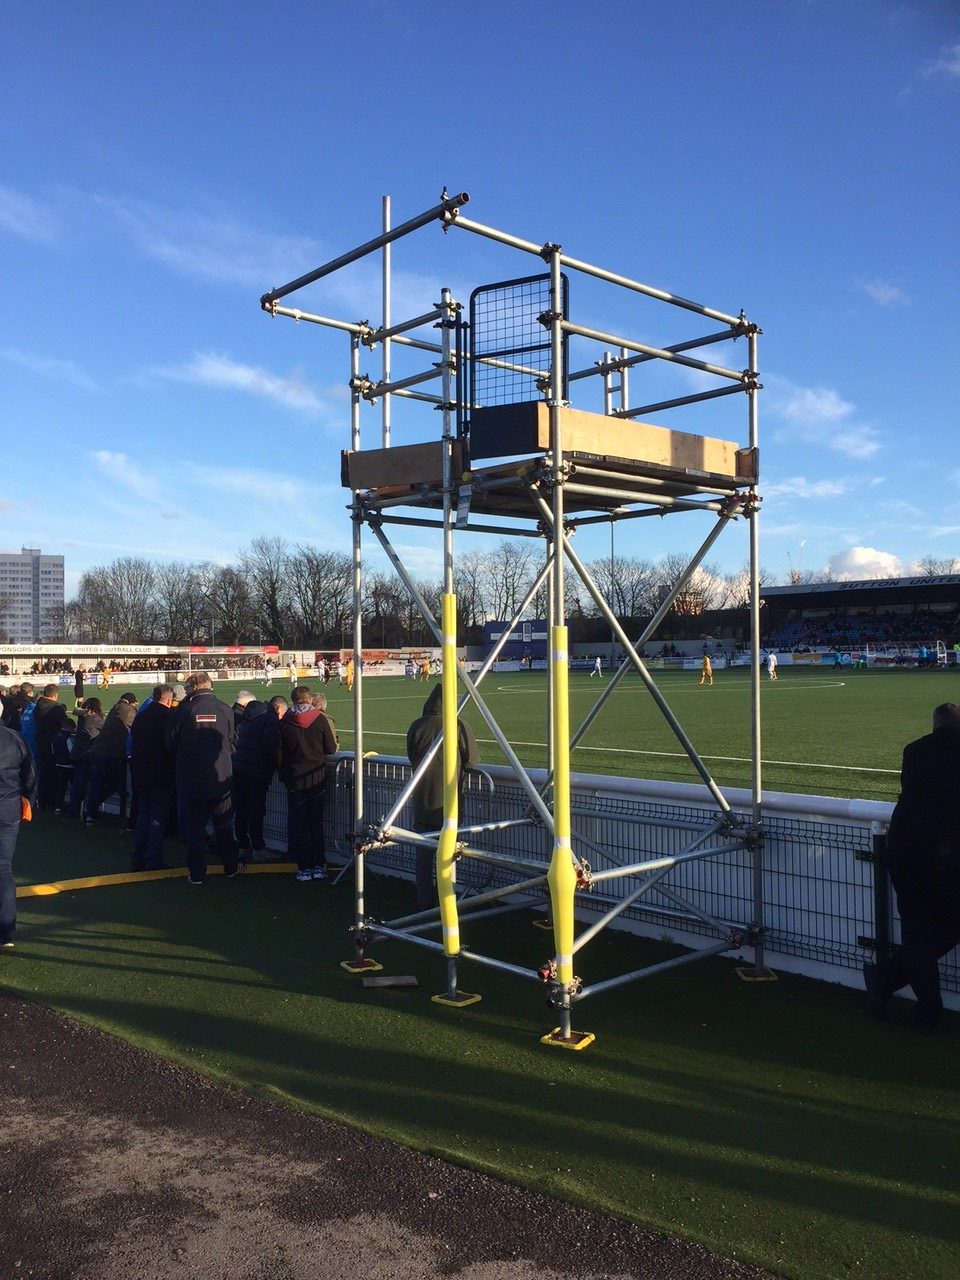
921 590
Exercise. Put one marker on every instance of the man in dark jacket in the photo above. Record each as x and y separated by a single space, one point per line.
14 705
254 764
428 797
18 782
49 717
151 776
201 735
923 855
307 738
108 756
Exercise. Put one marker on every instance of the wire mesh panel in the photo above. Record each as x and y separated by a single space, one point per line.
509 346
817 883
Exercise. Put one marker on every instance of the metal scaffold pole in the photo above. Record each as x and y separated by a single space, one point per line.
516 458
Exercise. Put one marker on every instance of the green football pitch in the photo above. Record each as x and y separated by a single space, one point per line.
824 731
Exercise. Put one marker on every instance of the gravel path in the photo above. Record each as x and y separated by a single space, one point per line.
116 1164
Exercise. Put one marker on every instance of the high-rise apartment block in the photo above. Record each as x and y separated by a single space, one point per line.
31 595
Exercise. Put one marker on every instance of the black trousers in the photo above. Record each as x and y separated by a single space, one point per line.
929 906
249 807
220 812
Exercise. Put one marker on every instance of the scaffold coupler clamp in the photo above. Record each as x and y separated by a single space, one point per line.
364 386
585 876
755 934
753 836
548 971
731 823
561 993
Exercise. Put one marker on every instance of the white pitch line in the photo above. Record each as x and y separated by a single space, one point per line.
672 755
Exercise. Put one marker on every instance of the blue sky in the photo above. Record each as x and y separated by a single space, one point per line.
161 166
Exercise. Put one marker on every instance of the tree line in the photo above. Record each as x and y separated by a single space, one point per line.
299 596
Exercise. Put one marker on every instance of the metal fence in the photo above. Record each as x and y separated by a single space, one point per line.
821 897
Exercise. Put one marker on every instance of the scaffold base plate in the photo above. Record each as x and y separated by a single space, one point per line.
459 1001
746 974
575 1040
366 965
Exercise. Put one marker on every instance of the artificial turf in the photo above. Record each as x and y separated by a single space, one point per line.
775 1123
825 731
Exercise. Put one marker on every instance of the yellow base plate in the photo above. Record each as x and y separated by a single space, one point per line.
577 1040
459 1001
746 974
361 966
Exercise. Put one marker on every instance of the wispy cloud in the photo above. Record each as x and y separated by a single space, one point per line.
49 367
887 295
801 487
27 218
265 487
210 370
126 473
948 64
208 246
819 415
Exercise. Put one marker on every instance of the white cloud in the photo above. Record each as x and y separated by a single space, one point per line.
126 473
49 367
210 370
864 562
883 293
947 64
801 487
213 247
27 218
820 416
265 487
812 406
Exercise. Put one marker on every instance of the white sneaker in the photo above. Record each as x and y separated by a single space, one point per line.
304 876
319 873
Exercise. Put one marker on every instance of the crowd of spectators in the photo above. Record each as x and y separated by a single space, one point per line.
880 630
161 662
193 763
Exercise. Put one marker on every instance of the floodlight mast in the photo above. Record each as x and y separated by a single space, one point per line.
570 475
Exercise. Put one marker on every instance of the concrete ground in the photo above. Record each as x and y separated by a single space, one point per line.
116 1165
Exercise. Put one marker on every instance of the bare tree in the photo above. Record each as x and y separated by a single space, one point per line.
181 591
704 589
266 566
737 588
320 589
233 617
508 570
626 583
931 567
468 584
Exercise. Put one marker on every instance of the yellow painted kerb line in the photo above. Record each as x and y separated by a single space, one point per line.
139 877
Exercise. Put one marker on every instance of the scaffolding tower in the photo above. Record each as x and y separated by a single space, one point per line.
516 457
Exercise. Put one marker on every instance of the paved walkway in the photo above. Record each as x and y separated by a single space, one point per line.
115 1164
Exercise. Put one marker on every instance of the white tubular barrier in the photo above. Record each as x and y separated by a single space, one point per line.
818 861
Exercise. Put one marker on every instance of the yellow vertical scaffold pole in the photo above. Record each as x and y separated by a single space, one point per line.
447 844
562 877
